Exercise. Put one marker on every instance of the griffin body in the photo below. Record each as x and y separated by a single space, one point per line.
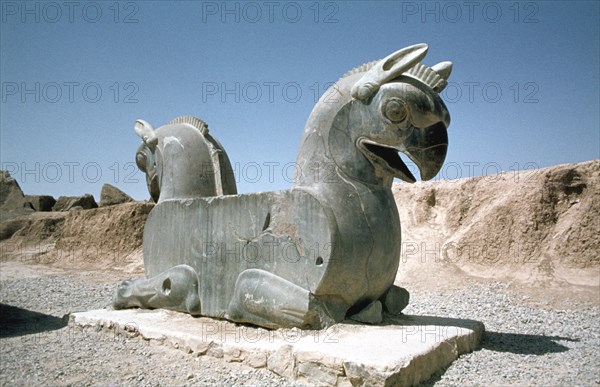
310 256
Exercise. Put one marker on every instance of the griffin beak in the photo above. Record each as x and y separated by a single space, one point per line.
425 147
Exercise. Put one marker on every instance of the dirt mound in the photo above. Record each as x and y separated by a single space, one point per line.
116 228
534 226
101 238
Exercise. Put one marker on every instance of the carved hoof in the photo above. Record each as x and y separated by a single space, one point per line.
123 296
175 289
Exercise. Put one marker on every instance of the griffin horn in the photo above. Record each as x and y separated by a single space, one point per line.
387 69
444 69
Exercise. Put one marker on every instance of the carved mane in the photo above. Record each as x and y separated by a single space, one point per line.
360 69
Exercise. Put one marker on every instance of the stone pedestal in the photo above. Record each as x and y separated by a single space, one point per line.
401 351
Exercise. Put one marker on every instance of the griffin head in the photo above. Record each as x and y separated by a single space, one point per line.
403 112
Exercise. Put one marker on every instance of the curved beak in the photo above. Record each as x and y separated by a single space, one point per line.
427 148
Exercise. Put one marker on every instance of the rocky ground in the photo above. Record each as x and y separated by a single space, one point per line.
527 342
521 253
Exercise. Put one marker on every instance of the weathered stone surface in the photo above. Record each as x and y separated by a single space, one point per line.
309 256
313 370
395 300
404 351
282 361
66 203
257 359
12 200
42 203
111 195
259 241
371 314
196 164
179 282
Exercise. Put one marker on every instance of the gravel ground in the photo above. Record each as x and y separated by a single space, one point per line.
524 344
47 352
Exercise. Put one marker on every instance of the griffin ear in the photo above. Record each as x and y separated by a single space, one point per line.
387 69
146 132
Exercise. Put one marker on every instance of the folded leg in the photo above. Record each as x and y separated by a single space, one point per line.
265 299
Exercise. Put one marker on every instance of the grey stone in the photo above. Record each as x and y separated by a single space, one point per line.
174 172
179 283
395 300
371 314
111 195
43 203
66 203
12 200
307 256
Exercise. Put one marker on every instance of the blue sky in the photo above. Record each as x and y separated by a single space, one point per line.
75 76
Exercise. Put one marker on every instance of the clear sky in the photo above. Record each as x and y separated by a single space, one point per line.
75 76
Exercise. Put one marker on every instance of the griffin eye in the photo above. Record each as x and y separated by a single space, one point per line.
395 110
140 160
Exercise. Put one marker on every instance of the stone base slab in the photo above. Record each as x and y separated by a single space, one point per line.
401 351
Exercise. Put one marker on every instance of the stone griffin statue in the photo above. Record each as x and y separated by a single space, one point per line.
308 257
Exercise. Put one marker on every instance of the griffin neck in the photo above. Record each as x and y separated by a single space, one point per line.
328 152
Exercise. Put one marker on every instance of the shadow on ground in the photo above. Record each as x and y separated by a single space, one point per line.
522 344
15 322
516 343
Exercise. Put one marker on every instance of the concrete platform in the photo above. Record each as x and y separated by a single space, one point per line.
401 351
